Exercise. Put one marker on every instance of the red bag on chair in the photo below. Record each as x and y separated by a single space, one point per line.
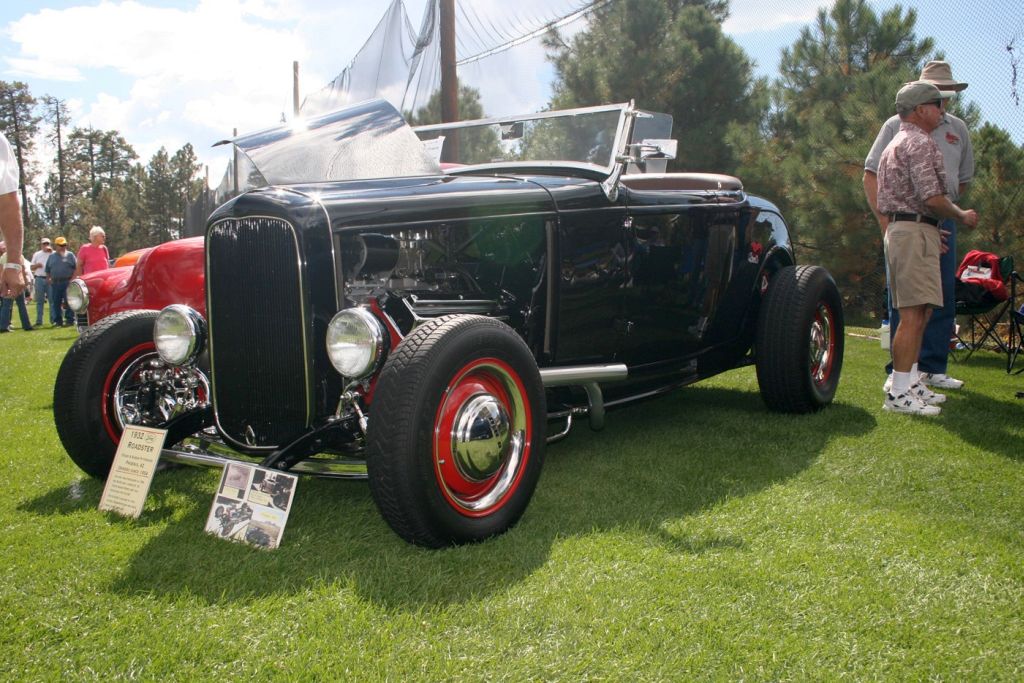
981 269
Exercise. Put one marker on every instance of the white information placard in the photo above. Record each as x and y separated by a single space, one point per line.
132 472
252 505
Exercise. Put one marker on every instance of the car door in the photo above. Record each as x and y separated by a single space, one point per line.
680 256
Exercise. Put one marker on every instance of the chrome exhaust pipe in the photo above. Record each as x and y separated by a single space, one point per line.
586 376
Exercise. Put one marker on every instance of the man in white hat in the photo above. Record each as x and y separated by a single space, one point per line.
42 288
954 142
912 196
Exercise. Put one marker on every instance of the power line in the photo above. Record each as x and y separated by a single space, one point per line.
555 23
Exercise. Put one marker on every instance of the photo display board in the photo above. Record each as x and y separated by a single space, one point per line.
251 505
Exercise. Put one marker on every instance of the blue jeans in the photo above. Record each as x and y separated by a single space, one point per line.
58 301
935 344
42 293
6 310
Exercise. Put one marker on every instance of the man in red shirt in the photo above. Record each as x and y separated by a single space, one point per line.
93 256
912 195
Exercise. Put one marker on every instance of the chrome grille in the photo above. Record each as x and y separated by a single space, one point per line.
257 330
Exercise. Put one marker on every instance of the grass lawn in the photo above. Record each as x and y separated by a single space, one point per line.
697 537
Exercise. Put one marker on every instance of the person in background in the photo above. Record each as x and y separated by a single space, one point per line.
59 268
8 302
93 256
12 279
912 196
958 158
38 265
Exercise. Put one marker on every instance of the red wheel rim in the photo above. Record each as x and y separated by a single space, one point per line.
117 370
489 390
822 345
119 402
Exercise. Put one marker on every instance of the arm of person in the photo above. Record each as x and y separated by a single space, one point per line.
871 192
11 280
943 208
885 135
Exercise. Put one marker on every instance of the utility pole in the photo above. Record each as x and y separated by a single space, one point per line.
449 78
295 89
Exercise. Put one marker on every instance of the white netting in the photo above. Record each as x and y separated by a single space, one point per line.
498 49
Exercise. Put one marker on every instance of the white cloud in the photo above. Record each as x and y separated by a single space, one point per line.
747 16
151 70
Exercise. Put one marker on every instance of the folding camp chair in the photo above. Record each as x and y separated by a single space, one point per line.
1016 342
985 313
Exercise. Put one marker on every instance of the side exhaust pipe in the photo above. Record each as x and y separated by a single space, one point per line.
588 377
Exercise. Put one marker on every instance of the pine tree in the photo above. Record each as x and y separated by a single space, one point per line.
837 86
19 124
669 56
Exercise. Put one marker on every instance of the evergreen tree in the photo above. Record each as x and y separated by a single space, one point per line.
160 199
19 124
837 86
669 56
997 193
475 146
56 114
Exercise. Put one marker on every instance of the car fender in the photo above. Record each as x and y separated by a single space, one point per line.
170 273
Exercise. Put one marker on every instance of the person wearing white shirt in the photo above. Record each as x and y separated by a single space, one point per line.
12 278
38 266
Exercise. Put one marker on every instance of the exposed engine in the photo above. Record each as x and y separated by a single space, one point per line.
487 269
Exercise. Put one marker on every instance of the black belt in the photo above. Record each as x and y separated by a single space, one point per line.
913 218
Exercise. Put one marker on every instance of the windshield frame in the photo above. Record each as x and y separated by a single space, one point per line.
595 171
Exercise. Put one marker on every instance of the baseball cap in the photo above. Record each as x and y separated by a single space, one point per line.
45 240
919 92
60 242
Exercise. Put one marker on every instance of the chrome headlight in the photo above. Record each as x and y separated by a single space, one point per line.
78 296
355 342
179 334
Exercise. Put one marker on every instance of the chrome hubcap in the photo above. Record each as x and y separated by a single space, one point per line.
480 437
821 344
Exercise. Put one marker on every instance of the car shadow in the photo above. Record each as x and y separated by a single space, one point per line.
655 464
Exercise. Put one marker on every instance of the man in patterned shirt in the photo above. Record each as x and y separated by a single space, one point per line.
912 195
954 142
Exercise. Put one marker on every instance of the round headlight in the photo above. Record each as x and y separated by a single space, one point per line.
355 342
179 334
78 296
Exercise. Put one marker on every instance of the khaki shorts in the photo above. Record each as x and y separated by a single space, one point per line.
912 257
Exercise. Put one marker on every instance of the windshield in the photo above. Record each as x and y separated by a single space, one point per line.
371 140
576 137
366 140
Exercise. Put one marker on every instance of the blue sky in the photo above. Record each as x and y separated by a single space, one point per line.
167 72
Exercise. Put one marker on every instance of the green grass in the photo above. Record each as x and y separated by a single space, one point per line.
697 537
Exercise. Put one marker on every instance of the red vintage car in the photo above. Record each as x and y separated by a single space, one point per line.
171 273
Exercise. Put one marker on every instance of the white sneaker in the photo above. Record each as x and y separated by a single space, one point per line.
909 404
926 395
887 387
941 381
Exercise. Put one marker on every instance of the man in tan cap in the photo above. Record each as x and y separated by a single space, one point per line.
912 196
953 140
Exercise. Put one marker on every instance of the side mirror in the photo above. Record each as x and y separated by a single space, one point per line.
651 155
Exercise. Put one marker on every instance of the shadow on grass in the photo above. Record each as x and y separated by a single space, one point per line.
992 422
655 464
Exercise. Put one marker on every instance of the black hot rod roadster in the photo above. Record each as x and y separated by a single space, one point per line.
373 311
